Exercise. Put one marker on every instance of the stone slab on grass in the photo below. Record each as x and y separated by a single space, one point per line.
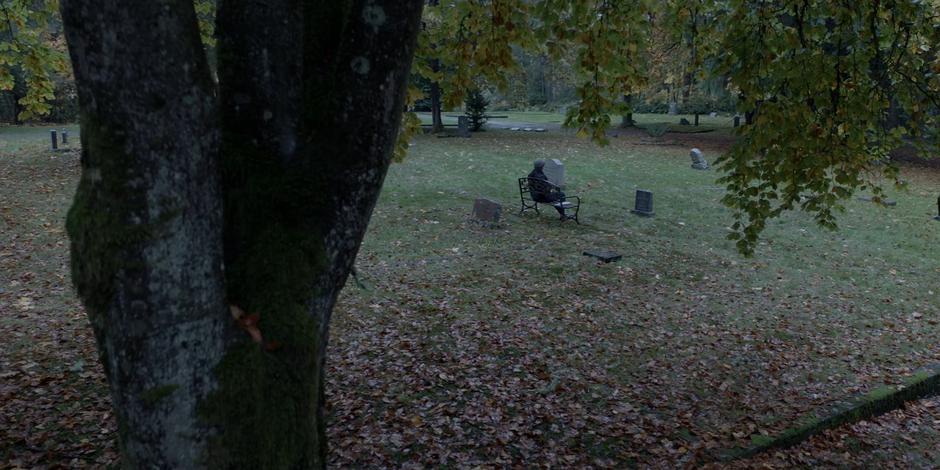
604 255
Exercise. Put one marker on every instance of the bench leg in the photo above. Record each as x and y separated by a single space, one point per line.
526 207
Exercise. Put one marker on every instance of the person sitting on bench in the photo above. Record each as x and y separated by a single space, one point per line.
542 193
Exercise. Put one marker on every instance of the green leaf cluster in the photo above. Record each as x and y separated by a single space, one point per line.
832 87
31 43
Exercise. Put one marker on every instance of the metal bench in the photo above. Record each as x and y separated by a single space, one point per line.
571 204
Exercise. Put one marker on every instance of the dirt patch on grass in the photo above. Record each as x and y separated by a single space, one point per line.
716 141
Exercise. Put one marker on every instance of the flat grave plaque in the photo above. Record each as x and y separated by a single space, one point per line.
603 255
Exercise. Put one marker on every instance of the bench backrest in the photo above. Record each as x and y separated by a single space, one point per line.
529 185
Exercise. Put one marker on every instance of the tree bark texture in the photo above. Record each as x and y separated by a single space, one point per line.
437 122
627 118
146 249
256 194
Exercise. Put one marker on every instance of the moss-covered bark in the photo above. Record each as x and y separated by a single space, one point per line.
306 141
308 108
146 254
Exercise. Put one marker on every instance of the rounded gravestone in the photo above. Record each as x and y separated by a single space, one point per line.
698 160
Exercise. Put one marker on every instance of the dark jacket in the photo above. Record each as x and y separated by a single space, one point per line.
542 192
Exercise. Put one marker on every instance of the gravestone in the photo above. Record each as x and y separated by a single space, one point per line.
698 160
684 122
555 172
737 121
673 108
605 256
54 139
487 211
938 209
644 203
65 137
713 114
463 126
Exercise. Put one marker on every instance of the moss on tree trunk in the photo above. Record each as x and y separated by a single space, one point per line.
308 108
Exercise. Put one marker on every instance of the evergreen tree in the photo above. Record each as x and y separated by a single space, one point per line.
476 105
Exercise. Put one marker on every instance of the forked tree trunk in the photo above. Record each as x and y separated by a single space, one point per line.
294 144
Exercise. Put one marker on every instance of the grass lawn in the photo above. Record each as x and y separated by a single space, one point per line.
15 138
508 343
505 346
719 124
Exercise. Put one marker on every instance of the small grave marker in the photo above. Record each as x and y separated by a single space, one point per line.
644 203
65 137
698 160
603 255
684 122
487 211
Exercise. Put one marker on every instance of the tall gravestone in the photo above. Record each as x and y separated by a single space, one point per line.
938 209
673 108
54 139
698 160
737 121
65 137
644 203
463 126
555 172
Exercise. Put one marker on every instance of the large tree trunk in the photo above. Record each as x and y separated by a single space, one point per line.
627 119
437 122
308 105
146 245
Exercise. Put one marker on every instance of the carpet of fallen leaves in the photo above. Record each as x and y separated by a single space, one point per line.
499 348
600 378
54 406
904 438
